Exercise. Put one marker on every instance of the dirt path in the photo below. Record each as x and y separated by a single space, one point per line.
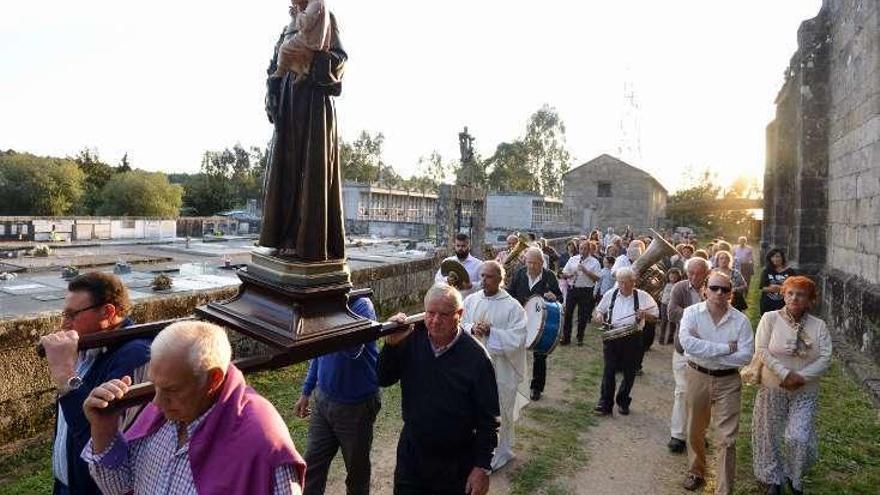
626 455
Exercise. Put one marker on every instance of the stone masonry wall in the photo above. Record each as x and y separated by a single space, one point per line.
822 179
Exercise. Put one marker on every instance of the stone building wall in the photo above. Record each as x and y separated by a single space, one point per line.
636 198
822 177
27 396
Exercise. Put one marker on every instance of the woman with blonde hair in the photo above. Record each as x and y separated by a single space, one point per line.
792 352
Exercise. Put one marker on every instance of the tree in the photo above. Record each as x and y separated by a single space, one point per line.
32 185
140 193
361 161
97 173
545 144
687 206
534 163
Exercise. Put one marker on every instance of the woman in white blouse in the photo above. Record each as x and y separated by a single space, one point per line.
795 349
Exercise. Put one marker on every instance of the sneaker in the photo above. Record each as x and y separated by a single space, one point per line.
676 446
693 482
536 395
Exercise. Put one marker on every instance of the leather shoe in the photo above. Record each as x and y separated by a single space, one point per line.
536 395
601 411
580 343
564 342
676 446
774 490
693 482
624 411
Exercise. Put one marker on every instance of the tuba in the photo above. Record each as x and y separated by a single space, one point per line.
513 256
652 278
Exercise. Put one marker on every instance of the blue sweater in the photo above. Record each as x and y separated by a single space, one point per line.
347 376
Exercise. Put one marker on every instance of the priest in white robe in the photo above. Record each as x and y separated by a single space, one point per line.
499 321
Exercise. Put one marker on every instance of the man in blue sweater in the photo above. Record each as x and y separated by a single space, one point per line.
346 400
95 302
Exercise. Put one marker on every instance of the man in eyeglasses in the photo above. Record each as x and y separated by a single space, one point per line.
717 341
95 302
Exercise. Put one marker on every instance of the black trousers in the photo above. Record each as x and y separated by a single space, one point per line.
620 355
648 333
425 472
582 298
539 371
334 426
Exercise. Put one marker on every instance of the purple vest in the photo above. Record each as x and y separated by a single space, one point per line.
239 444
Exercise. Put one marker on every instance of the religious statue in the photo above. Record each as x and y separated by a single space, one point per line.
466 145
302 204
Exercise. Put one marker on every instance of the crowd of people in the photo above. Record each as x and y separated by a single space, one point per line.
464 375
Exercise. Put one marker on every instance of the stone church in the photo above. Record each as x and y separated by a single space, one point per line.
608 192
822 176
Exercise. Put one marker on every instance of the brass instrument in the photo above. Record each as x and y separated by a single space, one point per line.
517 251
455 273
652 278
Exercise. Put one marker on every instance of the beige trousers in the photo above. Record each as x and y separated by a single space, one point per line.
716 399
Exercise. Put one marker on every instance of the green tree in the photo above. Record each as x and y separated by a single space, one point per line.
140 193
97 173
32 185
688 207
545 144
361 161
534 163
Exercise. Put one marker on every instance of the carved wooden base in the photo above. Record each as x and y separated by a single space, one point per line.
298 321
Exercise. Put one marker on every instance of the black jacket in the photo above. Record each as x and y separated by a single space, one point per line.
519 285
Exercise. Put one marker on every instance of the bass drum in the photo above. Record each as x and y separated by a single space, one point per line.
543 324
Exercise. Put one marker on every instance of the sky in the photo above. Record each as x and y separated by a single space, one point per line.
166 80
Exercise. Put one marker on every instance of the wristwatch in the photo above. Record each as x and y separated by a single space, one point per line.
74 382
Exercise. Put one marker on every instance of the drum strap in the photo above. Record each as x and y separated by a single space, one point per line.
614 300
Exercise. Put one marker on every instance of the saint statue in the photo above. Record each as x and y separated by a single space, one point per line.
302 204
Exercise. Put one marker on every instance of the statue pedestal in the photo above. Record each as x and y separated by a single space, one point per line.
298 308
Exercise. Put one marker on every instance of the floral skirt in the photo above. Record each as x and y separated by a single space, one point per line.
784 442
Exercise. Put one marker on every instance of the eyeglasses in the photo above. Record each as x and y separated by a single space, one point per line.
720 288
69 314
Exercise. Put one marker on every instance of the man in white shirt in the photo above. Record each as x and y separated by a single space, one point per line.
635 249
717 340
499 321
622 306
462 247
581 271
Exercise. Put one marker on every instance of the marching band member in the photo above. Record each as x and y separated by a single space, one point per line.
500 322
582 271
621 307
462 247
530 280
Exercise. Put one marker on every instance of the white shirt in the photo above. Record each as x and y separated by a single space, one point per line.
533 281
707 344
579 278
622 261
624 309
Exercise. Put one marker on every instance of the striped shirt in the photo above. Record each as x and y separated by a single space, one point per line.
155 465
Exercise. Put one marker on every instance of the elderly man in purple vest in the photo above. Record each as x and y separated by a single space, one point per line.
206 431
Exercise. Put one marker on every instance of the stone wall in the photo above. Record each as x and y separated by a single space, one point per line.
822 177
636 198
26 394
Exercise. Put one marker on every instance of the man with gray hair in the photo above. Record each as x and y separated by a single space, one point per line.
206 431
535 280
685 293
449 401
621 307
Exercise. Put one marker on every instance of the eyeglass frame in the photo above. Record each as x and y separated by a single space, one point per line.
724 289
71 315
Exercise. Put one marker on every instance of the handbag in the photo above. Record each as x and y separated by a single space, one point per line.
751 373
